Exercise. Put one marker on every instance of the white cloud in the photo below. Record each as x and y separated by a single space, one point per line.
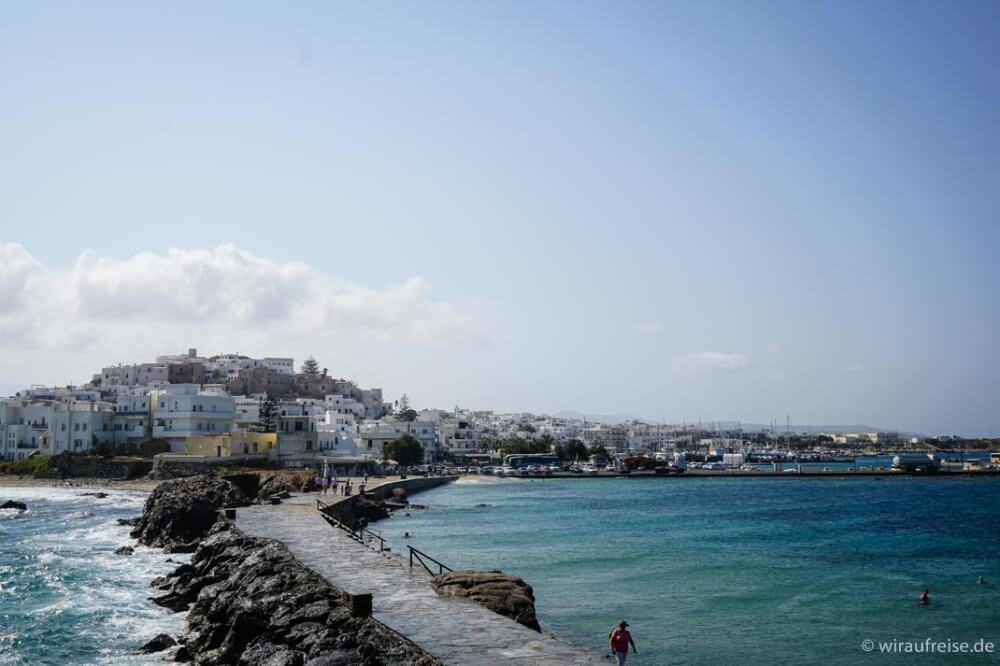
225 296
697 362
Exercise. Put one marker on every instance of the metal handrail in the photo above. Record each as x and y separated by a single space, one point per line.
420 559
356 534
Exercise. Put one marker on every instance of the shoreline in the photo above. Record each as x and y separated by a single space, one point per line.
135 485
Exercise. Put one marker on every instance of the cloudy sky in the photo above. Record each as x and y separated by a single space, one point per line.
719 210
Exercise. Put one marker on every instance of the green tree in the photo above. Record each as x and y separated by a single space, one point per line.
405 451
310 368
572 451
516 445
267 417
408 415
548 441
599 450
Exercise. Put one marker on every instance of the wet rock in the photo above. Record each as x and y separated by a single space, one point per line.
97 495
159 643
131 522
180 512
125 550
252 603
11 504
509 596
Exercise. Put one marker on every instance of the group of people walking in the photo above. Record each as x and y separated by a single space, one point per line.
324 484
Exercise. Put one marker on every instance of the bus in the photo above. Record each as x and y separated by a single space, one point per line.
519 460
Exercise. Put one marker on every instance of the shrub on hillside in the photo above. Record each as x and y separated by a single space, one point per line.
31 465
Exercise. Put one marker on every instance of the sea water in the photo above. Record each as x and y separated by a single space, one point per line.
738 570
65 597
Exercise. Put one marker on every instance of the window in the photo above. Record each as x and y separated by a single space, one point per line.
62 426
200 426
76 427
84 427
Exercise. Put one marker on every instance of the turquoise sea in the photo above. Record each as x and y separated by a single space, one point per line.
744 571
65 597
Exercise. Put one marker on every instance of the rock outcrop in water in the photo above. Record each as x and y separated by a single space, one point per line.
509 596
158 643
11 504
252 603
180 512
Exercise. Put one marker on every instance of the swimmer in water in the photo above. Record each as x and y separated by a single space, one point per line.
981 581
925 597
406 535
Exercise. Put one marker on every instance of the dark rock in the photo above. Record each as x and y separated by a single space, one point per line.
509 596
180 512
125 550
159 643
367 508
131 522
182 655
334 658
11 504
97 495
252 603
272 486
247 484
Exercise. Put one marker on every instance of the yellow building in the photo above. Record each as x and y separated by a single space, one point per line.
231 444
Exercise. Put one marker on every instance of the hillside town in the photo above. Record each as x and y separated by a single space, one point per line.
231 408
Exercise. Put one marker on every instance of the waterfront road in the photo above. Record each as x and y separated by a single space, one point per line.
457 631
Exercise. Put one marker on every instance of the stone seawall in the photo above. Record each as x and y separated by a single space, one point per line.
178 466
347 510
68 465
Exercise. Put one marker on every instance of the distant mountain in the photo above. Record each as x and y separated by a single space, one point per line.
609 419
833 429
612 419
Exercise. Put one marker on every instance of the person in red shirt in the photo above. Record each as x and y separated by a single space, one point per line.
620 639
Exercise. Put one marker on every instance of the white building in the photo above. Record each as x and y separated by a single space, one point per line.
285 366
133 415
120 375
373 436
229 366
49 427
247 415
186 410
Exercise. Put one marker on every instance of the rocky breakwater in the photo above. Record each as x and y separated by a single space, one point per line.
509 596
251 602
179 513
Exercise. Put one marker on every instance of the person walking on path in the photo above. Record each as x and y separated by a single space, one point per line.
620 639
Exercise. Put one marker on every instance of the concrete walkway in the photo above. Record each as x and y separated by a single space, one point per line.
459 632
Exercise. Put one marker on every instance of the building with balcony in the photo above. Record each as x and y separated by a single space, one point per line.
188 410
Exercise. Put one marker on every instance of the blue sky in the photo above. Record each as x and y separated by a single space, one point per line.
719 210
